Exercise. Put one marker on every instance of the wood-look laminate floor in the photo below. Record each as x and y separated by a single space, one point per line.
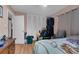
23 49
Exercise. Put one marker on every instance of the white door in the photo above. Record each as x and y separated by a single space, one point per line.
19 29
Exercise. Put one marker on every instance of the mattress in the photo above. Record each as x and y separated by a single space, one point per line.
52 46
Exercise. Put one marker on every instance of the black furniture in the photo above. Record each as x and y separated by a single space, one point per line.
49 31
50 26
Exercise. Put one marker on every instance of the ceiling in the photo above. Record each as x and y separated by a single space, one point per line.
38 9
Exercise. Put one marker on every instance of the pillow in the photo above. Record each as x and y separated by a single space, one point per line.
74 41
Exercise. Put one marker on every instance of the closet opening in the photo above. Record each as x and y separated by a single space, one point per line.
10 27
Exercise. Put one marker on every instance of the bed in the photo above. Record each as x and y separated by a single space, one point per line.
52 46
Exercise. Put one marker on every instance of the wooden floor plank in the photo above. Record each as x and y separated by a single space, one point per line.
23 49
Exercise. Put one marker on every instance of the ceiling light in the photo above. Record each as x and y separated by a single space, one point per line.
44 5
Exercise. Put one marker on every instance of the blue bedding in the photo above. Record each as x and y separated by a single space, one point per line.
52 46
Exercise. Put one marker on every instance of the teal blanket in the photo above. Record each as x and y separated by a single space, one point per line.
52 46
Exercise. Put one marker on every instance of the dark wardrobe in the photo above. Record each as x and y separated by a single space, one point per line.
49 31
50 26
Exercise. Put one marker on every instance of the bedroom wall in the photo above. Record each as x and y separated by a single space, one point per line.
32 23
75 22
56 25
25 19
4 22
64 18
64 23
35 23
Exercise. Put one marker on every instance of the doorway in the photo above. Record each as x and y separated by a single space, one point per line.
10 27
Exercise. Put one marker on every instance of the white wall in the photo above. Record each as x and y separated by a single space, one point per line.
4 22
64 22
56 25
19 29
75 22
35 23
69 22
